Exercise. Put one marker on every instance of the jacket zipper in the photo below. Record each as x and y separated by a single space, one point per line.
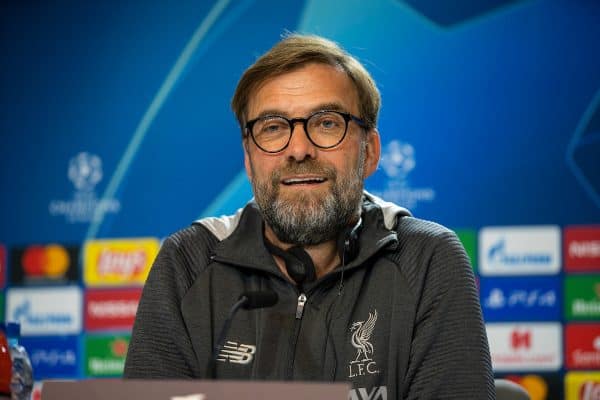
300 307
302 299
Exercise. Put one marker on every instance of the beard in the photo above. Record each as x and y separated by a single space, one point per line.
309 218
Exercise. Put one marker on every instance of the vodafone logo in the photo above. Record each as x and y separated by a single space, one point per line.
122 263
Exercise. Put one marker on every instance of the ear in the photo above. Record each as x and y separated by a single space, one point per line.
247 161
372 152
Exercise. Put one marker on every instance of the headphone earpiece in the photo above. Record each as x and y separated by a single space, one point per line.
298 263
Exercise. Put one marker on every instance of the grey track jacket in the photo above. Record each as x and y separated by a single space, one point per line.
406 323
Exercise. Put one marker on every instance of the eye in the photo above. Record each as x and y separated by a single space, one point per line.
270 126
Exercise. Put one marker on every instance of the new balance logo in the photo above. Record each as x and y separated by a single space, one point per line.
237 354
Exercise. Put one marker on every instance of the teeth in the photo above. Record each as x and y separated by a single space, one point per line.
303 180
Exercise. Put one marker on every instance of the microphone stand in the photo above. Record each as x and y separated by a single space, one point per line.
211 366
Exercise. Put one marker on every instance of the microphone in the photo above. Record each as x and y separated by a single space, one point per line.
248 301
258 299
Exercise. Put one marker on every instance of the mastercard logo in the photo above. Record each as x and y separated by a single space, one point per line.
535 385
51 261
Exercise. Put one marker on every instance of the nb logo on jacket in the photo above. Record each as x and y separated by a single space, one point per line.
237 354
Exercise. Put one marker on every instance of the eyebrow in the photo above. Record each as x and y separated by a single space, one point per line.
320 107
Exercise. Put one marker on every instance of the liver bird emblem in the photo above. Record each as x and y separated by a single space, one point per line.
361 335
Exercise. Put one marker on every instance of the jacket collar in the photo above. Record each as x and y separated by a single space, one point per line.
245 247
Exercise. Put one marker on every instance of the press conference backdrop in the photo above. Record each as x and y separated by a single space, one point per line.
116 131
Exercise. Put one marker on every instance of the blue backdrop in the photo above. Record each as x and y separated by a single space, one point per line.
115 117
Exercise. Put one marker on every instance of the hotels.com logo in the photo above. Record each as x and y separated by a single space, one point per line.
533 346
520 339
118 262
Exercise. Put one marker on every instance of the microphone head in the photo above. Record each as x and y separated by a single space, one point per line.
259 299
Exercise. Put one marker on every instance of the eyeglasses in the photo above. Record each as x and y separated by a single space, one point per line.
324 129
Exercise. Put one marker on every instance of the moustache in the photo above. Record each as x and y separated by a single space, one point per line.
306 167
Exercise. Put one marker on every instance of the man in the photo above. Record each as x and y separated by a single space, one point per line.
367 293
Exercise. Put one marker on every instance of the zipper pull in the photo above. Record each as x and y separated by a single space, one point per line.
300 308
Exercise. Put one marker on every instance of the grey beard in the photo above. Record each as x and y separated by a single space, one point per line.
308 220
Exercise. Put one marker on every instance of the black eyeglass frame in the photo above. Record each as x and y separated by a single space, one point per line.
292 123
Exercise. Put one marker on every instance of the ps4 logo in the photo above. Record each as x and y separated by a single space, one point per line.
520 298
53 358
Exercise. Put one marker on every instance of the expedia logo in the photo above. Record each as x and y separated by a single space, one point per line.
44 264
519 250
119 262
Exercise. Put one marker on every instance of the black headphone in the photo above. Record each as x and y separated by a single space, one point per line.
300 266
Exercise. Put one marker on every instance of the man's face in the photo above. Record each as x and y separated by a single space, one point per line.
307 194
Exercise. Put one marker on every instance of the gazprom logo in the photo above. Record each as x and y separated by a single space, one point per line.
46 311
520 250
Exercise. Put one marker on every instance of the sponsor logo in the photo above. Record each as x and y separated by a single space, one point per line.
397 161
582 297
533 250
53 356
582 346
105 355
582 249
45 311
375 393
44 264
2 266
468 238
508 299
237 353
582 386
118 262
525 347
363 363
539 387
84 172
111 308
36 394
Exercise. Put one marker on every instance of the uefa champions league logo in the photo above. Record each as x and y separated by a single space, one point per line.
85 171
398 160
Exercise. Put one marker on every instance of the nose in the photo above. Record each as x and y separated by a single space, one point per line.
300 147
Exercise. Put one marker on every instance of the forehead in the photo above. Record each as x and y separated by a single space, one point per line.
304 90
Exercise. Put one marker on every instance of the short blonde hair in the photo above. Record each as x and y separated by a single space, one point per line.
295 51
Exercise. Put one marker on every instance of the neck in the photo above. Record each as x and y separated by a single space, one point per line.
325 255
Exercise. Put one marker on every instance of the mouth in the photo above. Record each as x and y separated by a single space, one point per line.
303 180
